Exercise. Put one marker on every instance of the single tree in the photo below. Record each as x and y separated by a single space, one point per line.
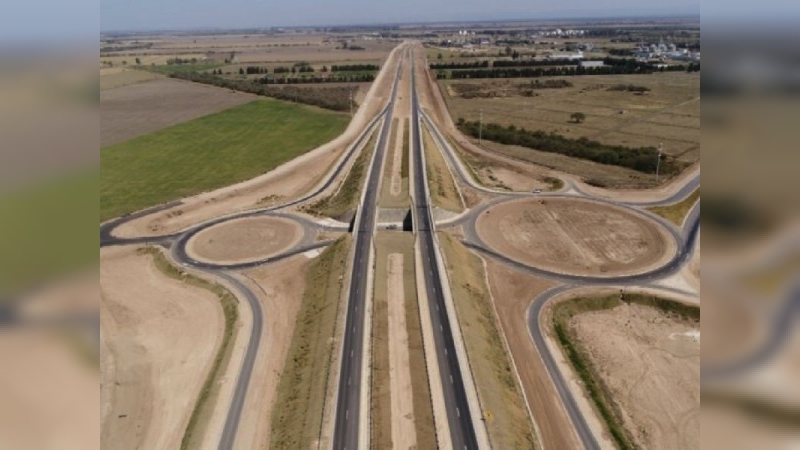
439 56
241 71
578 117
138 61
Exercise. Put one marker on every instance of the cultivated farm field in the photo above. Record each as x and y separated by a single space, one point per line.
145 107
210 152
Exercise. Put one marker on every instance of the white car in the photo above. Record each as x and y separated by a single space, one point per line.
537 191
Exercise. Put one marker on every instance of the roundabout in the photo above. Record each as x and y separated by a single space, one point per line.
575 237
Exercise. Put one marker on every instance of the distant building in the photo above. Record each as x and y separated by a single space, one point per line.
591 64
566 56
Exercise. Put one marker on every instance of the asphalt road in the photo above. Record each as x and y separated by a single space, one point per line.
348 400
462 432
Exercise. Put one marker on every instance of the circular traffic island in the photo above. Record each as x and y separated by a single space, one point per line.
244 240
575 237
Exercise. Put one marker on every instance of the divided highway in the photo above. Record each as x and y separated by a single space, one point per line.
462 432
348 401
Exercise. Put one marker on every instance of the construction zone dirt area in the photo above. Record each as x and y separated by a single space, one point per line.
649 361
247 239
575 236
158 339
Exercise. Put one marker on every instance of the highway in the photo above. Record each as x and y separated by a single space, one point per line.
462 432
348 400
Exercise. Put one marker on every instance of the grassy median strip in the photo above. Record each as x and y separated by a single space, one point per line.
381 411
601 396
501 397
209 152
442 186
346 198
386 244
676 212
297 416
206 399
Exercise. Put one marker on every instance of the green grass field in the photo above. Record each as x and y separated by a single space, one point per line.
210 152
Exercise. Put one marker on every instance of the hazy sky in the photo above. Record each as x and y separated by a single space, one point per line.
178 14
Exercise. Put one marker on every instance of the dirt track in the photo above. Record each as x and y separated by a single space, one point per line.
159 338
247 239
575 236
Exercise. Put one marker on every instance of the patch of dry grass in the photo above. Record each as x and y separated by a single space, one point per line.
500 395
297 416
443 190
676 212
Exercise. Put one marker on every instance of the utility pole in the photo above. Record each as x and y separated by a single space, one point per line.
658 159
480 129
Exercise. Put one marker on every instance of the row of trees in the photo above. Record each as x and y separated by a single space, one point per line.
642 159
355 67
336 98
464 65
352 78
531 72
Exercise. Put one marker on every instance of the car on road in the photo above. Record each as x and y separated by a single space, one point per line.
537 191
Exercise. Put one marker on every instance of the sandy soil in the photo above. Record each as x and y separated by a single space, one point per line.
280 288
285 182
403 432
513 292
651 364
247 239
138 109
159 337
575 236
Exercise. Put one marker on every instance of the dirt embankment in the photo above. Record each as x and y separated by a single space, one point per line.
159 337
575 237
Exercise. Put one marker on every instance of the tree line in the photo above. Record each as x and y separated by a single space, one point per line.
535 72
642 159
354 67
336 98
464 65
351 78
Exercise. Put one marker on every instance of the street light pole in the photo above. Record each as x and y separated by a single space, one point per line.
658 159
480 129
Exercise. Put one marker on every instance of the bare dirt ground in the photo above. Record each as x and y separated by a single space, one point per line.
280 288
49 384
285 182
142 108
650 361
403 432
575 236
159 337
247 239
114 77
512 293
